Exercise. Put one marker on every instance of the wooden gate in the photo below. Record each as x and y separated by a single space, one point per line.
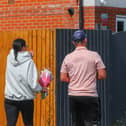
42 42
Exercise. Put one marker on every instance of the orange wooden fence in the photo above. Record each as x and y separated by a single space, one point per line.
42 42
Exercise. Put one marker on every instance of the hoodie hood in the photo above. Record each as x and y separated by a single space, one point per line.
22 57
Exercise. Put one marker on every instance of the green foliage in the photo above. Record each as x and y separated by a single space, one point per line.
121 122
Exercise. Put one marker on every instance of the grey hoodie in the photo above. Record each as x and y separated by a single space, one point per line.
21 77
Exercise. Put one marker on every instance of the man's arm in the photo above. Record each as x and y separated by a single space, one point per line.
64 77
101 74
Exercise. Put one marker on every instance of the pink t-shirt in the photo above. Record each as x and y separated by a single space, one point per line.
82 65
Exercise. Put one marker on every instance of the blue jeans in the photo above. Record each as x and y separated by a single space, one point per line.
12 109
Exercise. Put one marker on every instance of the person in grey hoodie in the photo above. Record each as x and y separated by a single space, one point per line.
21 84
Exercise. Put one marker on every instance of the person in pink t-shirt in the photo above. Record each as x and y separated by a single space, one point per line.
81 68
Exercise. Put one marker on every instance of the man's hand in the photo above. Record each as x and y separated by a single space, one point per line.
101 74
64 77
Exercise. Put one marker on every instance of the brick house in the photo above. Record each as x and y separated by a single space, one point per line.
38 14
115 11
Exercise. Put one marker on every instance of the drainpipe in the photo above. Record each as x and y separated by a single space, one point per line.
81 19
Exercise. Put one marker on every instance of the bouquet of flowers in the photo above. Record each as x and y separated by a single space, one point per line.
45 80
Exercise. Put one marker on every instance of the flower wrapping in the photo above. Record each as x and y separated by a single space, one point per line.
45 78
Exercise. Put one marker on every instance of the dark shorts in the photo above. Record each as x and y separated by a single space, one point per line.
84 108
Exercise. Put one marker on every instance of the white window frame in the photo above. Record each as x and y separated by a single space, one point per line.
121 18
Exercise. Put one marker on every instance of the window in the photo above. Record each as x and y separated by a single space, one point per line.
120 23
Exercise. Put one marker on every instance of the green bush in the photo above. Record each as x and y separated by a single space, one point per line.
121 122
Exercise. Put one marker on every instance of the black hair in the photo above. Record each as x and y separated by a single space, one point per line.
78 41
18 44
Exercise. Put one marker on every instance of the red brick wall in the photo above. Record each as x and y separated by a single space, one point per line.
89 17
112 12
37 14
93 16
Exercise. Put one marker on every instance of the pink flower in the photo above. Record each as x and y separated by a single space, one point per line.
45 78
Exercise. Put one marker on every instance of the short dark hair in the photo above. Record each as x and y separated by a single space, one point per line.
18 44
